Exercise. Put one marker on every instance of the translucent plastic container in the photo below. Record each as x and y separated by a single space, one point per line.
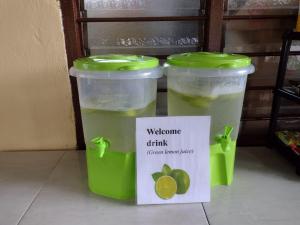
113 91
203 83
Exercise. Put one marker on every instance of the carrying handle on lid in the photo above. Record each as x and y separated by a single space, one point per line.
101 145
128 68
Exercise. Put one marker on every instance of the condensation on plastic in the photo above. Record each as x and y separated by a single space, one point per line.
132 8
118 75
156 38
255 35
115 90
116 95
204 73
207 82
262 6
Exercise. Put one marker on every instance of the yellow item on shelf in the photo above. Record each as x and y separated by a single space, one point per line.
298 20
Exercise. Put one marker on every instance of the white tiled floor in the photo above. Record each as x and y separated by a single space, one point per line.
22 175
66 195
49 188
266 191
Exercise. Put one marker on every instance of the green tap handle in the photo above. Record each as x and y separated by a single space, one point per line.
101 145
225 139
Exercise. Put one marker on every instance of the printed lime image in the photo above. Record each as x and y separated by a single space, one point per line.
165 187
182 180
169 182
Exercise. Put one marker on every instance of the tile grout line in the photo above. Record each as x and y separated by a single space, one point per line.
41 188
207 219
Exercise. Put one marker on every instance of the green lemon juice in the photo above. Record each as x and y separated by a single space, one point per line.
117 126
224 109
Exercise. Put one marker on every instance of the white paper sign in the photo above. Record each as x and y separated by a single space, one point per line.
172 159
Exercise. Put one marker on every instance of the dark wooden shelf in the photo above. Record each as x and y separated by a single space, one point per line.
258 17
262 54
280 92
85 19
75 22
288 95
140 19
292 35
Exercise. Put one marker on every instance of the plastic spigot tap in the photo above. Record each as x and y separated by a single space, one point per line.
101 145
225 139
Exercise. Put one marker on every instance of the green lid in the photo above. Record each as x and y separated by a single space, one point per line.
212 60
115 62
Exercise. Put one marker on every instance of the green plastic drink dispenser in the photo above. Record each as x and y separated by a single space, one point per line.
113 91
203 83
